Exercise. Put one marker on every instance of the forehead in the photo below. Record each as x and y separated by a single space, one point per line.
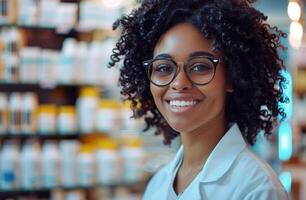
182 40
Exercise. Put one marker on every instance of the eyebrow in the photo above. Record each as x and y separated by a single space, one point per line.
194 54
163 55
200 53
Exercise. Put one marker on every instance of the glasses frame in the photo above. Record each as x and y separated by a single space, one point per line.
215 61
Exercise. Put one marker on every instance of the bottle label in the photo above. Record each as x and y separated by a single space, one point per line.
9 177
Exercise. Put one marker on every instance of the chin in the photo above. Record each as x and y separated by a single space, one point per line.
181 127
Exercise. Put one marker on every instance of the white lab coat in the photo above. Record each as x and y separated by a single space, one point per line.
231 172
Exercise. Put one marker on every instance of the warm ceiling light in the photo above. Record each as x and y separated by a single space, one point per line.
112 3
295 43
294 10
296 30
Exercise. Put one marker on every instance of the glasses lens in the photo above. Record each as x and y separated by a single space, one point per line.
200 70
162 71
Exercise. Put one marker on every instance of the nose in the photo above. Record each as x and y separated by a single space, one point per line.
181 81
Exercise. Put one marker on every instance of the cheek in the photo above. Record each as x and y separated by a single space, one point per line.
216 90
157 94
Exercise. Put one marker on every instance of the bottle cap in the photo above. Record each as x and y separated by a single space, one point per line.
107 144
89 91
47 108
106 103
67 109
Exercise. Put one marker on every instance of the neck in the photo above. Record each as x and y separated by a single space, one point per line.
199 144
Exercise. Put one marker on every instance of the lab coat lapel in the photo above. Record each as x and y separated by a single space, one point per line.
193 192
164 188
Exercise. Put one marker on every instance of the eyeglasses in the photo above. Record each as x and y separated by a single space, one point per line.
200 70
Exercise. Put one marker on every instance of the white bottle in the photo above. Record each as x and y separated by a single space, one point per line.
65 72
30 64
30 166
75 195
68 160
48 10
85 167
47 119
5 12
66 120
27 12
48 67
15 116
12 58
81 62
87 105
3 113
109 170
108 116
9 165
66 16
133 160
94 62
29 113
50 165
130 124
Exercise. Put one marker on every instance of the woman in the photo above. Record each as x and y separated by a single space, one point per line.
208 72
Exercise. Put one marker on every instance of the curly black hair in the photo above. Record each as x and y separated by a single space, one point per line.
250 54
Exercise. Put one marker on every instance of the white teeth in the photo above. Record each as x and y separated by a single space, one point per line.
182 103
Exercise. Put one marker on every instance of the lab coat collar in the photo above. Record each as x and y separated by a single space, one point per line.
178 157
223 155
221 158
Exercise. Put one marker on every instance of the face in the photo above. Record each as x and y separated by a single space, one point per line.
189 108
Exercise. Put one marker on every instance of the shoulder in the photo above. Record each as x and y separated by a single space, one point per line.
269 192
256 168
258 179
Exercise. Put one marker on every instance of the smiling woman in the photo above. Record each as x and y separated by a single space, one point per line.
195 96
205 71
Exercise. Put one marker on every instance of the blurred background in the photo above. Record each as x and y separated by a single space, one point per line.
64 132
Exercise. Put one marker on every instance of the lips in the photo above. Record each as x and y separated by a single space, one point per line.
182 104
181 97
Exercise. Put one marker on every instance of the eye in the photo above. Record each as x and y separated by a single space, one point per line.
201 68
162 69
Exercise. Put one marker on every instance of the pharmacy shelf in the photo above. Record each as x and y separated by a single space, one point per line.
58 30
58 94
5 86
25 193
130 185
8 136
45 192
